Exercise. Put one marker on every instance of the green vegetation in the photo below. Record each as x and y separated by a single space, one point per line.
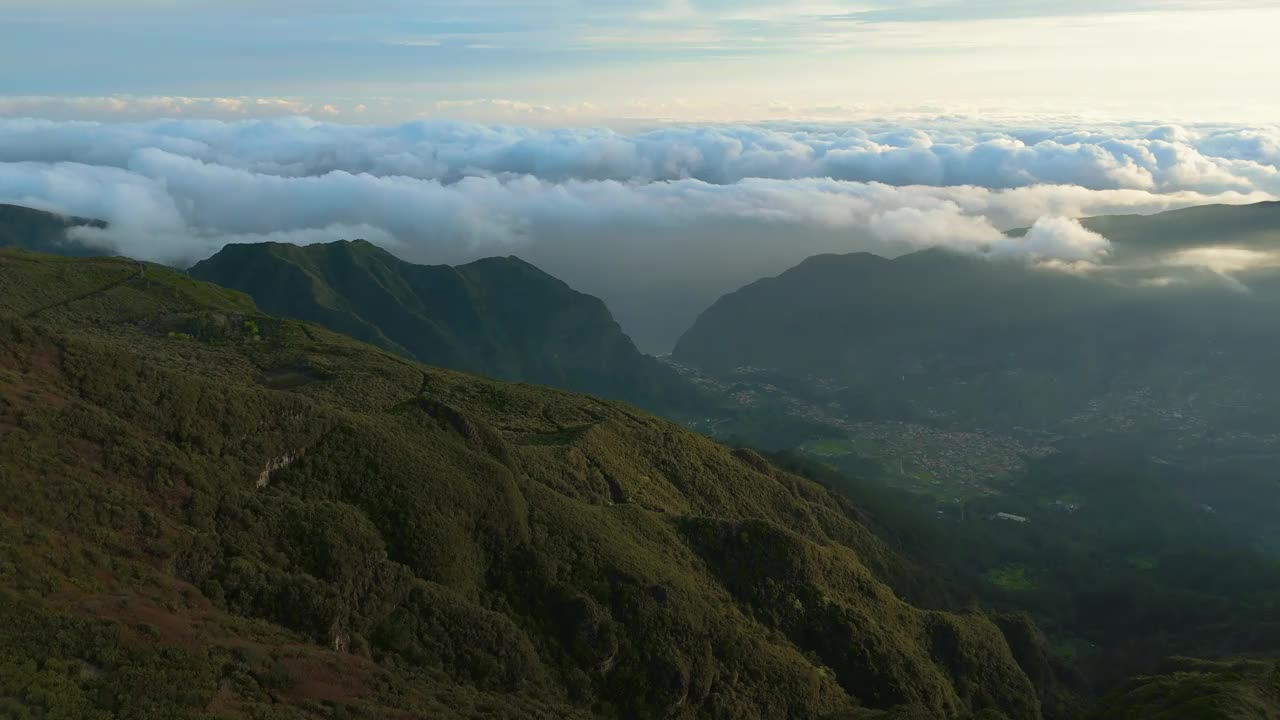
1143 563
208 512
1199 690
1012 578
1133 423
500 317
273 521
1138 573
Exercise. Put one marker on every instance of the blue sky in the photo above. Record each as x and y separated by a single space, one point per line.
553 62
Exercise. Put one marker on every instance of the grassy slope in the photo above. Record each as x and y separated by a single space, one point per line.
209 512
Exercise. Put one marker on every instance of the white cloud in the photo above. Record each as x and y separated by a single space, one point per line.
939 153
1052 242
944 224
1071 267
1225 263
1056 238
674 215
1224 260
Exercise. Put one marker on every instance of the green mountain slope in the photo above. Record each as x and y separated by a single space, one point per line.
1199 690
500 317
41 231
950 373
211 512
934 336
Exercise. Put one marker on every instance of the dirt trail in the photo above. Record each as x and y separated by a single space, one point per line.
85 295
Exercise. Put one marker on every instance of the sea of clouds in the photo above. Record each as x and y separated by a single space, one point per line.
658 222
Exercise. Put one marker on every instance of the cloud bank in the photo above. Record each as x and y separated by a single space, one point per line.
659 223
1134 157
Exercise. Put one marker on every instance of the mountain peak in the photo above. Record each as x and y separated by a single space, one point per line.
842 260
363 246
501 261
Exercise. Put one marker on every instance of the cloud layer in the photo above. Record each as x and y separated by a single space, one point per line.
1136 157
659 223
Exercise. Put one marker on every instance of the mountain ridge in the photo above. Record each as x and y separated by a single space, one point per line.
501 317
954 319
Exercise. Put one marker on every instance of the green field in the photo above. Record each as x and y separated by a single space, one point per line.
1144 563
1012 578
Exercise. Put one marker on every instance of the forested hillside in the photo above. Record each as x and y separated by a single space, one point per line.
210 512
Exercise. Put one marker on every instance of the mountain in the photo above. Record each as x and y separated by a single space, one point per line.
213 512
41 231
947 375
1002 344
1255 226
500 317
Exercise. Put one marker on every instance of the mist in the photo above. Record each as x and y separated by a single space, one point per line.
658 223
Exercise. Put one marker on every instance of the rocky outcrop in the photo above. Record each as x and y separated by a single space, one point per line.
276 465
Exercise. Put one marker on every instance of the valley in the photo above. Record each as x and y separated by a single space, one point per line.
263 503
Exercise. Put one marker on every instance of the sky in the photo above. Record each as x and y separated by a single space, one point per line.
574 62
656 153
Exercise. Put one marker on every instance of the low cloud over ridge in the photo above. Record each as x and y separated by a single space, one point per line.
658 223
